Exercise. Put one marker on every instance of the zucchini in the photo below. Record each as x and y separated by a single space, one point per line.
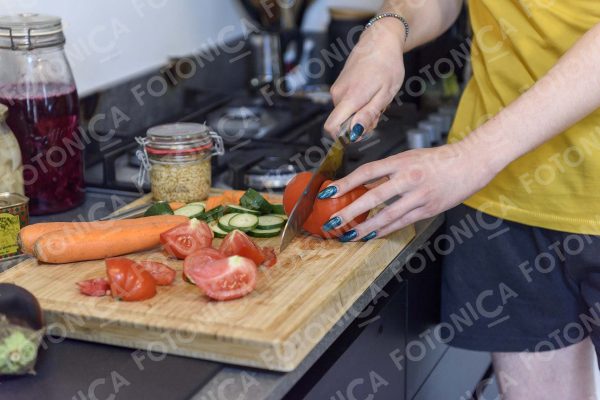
270 222
264 233
219 233
224 222
192 210
255 201
239 209
277 209
243 222
159 208
213 214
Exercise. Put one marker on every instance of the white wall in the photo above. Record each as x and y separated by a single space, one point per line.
110 40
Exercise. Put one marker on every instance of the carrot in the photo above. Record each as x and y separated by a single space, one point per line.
31 233
175 205
213 201
233 196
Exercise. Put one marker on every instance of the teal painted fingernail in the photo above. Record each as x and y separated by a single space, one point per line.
357 130
369 236
332 223
348 236
327 192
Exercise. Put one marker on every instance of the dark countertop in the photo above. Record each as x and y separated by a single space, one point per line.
81 370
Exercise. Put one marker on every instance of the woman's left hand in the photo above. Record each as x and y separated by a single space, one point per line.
426 182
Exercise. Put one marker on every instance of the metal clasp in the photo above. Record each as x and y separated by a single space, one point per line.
218 146
142 155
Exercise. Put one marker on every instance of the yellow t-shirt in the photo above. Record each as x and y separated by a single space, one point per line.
516 42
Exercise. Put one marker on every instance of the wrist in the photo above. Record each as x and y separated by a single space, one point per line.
388 30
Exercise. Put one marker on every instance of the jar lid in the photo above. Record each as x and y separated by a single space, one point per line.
30 31
180 137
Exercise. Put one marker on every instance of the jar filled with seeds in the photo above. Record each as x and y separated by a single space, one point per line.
177 157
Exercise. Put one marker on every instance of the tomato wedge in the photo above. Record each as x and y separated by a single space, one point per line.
187 238
270 257
198 260
162 273
236 243
96 287
227 278
129 281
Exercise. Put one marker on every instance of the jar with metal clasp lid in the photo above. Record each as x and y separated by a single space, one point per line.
177 158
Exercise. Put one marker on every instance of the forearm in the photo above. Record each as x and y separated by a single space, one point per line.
568 93
427 19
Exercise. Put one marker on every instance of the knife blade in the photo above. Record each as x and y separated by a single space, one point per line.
326 170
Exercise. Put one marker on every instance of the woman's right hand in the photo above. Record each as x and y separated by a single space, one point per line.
372 76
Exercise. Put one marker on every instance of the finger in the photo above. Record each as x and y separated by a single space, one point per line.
389 215
368 201
361 175
342 112
367 117
418 214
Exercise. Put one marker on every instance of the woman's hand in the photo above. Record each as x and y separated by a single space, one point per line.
372 76
427 182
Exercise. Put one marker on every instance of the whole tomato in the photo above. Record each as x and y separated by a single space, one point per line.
322 209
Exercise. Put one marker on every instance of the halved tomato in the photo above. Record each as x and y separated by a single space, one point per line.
187 238
198 260
227 278
96 287
162 274
128 280
237 243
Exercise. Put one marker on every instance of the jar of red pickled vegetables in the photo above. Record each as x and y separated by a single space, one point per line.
37 85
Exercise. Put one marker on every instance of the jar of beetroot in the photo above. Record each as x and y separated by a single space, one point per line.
37 86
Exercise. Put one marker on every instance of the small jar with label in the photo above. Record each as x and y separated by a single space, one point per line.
11 165
178 159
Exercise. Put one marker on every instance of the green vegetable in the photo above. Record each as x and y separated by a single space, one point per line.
224 222
192 210
159 208
213 215
255 201
239 209
277 209
219 233
264 233
270 221
244 222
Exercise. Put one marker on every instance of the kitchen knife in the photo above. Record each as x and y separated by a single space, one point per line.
326 170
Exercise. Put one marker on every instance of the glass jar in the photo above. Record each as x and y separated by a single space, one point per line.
177 157
11 166
37 85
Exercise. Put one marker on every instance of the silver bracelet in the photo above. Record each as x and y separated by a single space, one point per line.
393 15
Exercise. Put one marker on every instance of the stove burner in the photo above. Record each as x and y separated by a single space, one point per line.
238 122
273 172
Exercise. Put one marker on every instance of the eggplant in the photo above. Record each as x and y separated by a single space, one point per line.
21 330
20 307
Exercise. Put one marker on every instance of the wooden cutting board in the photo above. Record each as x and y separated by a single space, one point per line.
295 303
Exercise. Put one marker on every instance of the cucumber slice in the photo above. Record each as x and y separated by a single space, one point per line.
239 209
255 201
190 210
160 208
264 233
219 233
270 222
277 209
224 222
213 214
243 222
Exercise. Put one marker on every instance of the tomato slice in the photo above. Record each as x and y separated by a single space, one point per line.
227 278
270 257
162 273
128 280
96 287
198 260
187 238
236 243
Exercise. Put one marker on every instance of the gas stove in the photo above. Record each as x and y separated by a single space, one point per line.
266 144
